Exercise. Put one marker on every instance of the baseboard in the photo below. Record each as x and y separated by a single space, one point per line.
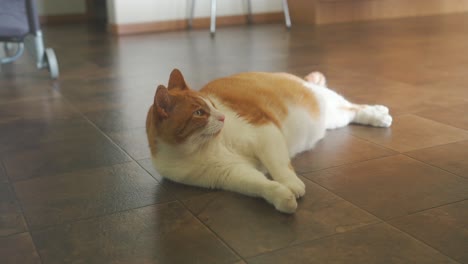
356 10
198 23
336 11
63 19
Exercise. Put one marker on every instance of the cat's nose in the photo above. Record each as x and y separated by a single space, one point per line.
221 118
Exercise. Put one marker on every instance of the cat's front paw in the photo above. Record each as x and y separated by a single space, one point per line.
282 198
296 186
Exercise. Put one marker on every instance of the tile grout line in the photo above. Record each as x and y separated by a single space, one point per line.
3 168
367 140
12 185
43 228
401 152
346 164
426 209
313 240
20 205
212 231
67 172
424 243
134 160
325 188
390 219
23 215
435 146
434 166
93 217
427 118
14 234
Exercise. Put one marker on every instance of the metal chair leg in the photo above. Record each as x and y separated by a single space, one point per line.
192 14
287 18
213 17
249 11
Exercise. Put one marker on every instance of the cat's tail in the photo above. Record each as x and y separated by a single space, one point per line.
316 78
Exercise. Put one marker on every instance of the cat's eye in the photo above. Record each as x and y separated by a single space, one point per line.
199 112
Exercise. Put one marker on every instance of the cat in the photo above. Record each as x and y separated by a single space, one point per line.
236 129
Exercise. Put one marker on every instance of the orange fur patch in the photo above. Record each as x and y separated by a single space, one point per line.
180 122
352 108
258 97
262 97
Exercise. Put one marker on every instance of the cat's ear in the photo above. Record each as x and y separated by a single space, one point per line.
162 102
176 80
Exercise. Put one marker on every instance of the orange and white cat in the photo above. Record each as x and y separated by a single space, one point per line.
238 128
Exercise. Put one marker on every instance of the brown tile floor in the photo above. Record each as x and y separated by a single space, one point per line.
77 185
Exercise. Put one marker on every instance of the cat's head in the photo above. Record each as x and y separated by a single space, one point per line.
180 115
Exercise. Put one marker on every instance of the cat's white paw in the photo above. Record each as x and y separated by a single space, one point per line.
282 198
316 78
296 186
381 109
374 115
384 120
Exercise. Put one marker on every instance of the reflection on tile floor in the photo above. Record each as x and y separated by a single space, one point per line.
77 184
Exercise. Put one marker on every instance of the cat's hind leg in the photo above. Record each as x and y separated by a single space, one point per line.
316 78
340 112
373 115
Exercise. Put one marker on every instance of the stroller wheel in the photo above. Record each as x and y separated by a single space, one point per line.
52 63
8 47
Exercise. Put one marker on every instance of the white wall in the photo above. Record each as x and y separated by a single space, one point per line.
61 7
140 11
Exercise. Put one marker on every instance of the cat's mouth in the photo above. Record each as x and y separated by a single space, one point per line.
213 134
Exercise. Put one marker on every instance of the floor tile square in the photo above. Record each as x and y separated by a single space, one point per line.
392 186
90 151
62 198
373 244
454 96
133 141
451 157
251 226
181 191
23 133
444 228
338 148
362 87
165 233
45 109
3 176
410 132
117 120
24 89
11 218
18 249
453 115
